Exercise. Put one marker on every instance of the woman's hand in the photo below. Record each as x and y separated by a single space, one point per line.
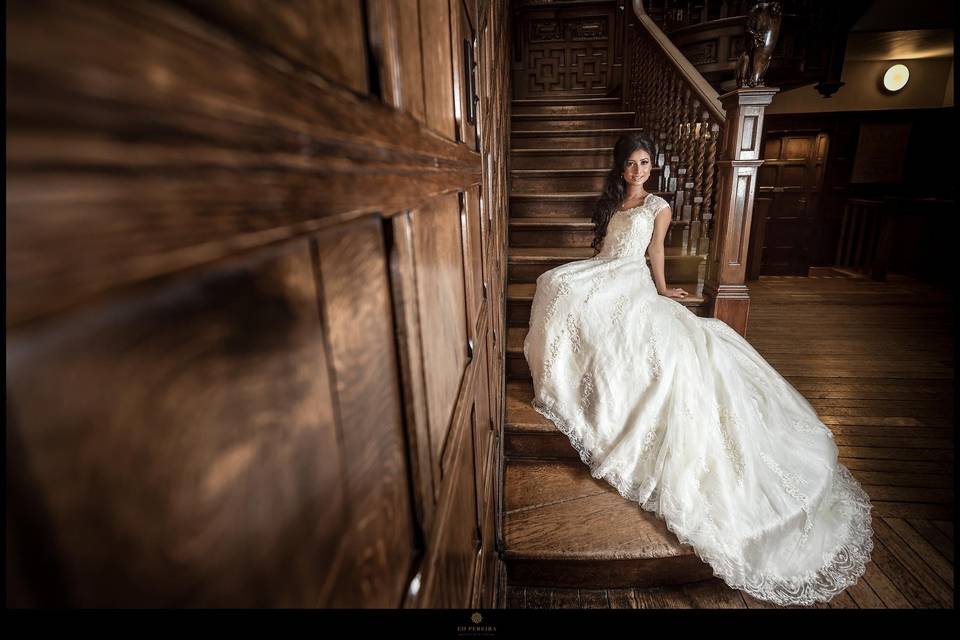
676 292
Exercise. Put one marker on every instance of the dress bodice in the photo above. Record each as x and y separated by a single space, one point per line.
629 231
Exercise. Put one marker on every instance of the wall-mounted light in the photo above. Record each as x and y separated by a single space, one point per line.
896 78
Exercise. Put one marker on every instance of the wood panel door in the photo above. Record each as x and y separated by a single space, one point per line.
789 185
567 50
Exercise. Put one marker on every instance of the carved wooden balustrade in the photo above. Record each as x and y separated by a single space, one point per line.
708 147
683 115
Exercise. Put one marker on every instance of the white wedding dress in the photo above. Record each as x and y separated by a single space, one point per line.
682 415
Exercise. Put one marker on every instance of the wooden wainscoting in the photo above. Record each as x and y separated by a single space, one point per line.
255 286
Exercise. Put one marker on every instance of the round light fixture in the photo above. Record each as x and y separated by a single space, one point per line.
896 77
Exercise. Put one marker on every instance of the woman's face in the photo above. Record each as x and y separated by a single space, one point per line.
637 168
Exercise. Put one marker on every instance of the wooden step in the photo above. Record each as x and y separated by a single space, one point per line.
564 528
564 180
565 105
520 297
527 434
570 204
569 121
526 264
571 232
587 158
533 139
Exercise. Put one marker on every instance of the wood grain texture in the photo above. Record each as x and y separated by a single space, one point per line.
179 144
930 556
622 599
864 596
290 29
213 216
886 590
411 59
483 434
934 537
173 442
457 538
564 599
472 242
438 249
438 84
902 580
713 594
926 577
403 280
463 33
489 565
359 330
383 29
594 599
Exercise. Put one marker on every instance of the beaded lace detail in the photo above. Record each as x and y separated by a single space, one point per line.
842 566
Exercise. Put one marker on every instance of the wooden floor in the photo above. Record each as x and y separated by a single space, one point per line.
876 361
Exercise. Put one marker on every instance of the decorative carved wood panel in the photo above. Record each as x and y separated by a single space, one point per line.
567 50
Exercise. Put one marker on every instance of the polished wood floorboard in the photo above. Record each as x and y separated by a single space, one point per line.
876 362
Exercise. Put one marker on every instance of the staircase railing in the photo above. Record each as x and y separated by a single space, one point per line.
708 148
679 109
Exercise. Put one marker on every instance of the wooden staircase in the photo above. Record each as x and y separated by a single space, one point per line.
562 527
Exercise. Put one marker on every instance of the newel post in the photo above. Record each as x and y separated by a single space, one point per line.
725 281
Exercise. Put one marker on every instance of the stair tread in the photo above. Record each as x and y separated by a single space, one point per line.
570 116
562 132
547 152
551 222
555 510
566 100
520 416
549 252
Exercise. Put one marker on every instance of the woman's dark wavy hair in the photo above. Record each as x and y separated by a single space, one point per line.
614 189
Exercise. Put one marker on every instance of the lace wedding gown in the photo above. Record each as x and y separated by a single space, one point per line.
682 415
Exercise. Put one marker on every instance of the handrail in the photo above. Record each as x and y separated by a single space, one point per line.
708 97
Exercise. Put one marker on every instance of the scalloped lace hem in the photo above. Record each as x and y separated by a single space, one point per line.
842 567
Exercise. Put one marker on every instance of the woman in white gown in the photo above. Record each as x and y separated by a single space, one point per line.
682 415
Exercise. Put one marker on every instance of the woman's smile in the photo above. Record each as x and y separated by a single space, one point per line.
637 168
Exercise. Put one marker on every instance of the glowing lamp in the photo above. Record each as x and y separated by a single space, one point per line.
896 77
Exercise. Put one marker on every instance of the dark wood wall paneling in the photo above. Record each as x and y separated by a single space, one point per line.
255 303
923 197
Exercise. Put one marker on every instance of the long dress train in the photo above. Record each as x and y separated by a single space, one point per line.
682 415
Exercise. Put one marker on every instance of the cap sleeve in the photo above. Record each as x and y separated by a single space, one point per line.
659 205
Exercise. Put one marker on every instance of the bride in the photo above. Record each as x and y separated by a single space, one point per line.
682 415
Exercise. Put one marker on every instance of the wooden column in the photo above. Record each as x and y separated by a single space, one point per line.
725 282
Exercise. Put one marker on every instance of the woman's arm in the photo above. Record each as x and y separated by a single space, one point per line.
660 225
